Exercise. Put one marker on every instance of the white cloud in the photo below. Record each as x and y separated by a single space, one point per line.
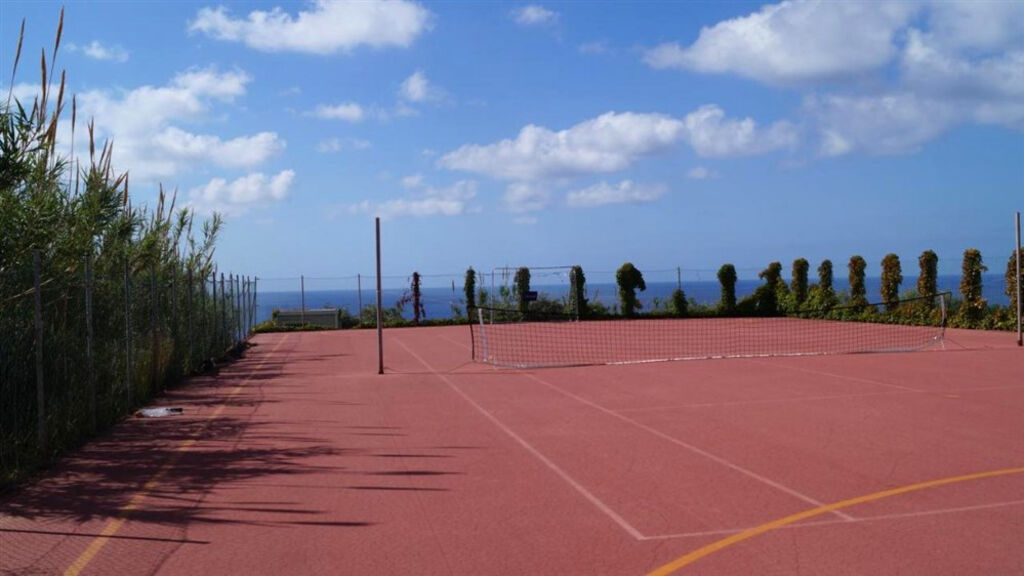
412 181
534 15
701 173
239 196
347 111
602 193
608 143
144 124
522 197
334 145
416 88
891 124
98 51
328 27
451 201
795 41
711 134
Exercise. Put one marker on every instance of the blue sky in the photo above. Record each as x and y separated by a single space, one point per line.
668 134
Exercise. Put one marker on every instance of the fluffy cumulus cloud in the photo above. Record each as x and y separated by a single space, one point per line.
608 143
603 193
240 195
327 27
534 15
930 66
145 124
710 134
794 41
417 88
450 201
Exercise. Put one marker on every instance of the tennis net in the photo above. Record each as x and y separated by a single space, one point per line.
515 338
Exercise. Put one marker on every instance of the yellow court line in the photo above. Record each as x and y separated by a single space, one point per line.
114 524
768 527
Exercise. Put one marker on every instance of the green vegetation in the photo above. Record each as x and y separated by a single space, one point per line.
765 299
973 308
578 303
629 280
680 307
1012 280
469 288
927 279
798 285
727 278
105 304
892 277
417 299
858 292
521 285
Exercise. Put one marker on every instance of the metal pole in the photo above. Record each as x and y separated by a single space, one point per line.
1020 340
153 335
89 361
255 292
302 288
223 315
40 392
359 295
380 314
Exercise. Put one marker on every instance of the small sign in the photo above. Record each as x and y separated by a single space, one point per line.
530 296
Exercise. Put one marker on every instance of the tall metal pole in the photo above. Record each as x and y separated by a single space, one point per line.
302 288
380 314
359 295
1020 340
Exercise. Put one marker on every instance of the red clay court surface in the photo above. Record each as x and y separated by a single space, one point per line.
299 459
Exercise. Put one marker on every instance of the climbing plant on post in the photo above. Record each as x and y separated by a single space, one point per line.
1012 280
927 279
858 292
521 285
629 280
578 292
798 285
417 302
727 278
973 307
892 277
469 287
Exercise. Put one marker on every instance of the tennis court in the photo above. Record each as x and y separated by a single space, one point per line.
300 459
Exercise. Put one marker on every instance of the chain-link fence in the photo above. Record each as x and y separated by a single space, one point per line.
83 345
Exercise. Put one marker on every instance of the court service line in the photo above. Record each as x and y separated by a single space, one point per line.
859 519
696 555
589 496
114 524
758 402
692 448
844 377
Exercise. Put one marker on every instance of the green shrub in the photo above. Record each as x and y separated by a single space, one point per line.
727 278
418 311
927 279
1012 280
799 281
469 287
858 292
973 306
578 304
680 306
892 277
521 285
629 280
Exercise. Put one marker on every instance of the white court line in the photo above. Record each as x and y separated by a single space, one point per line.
845 522
755 402
695 450
845 377
604 508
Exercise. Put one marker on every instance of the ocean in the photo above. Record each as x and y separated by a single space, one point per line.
441 303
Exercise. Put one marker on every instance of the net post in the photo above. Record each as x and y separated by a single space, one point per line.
302 296
483 333
1020 340
380 315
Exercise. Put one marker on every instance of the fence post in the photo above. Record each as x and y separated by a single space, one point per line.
154 337
128 332
40 392
214 332
223 314
359 295
188 312
255 291
89 360
302 290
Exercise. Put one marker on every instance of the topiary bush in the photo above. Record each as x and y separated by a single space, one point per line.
798 285
680 307
858 292
727 278
972 308
927 279
469 288
1012 280
521 285
892 277
629 280
578 304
